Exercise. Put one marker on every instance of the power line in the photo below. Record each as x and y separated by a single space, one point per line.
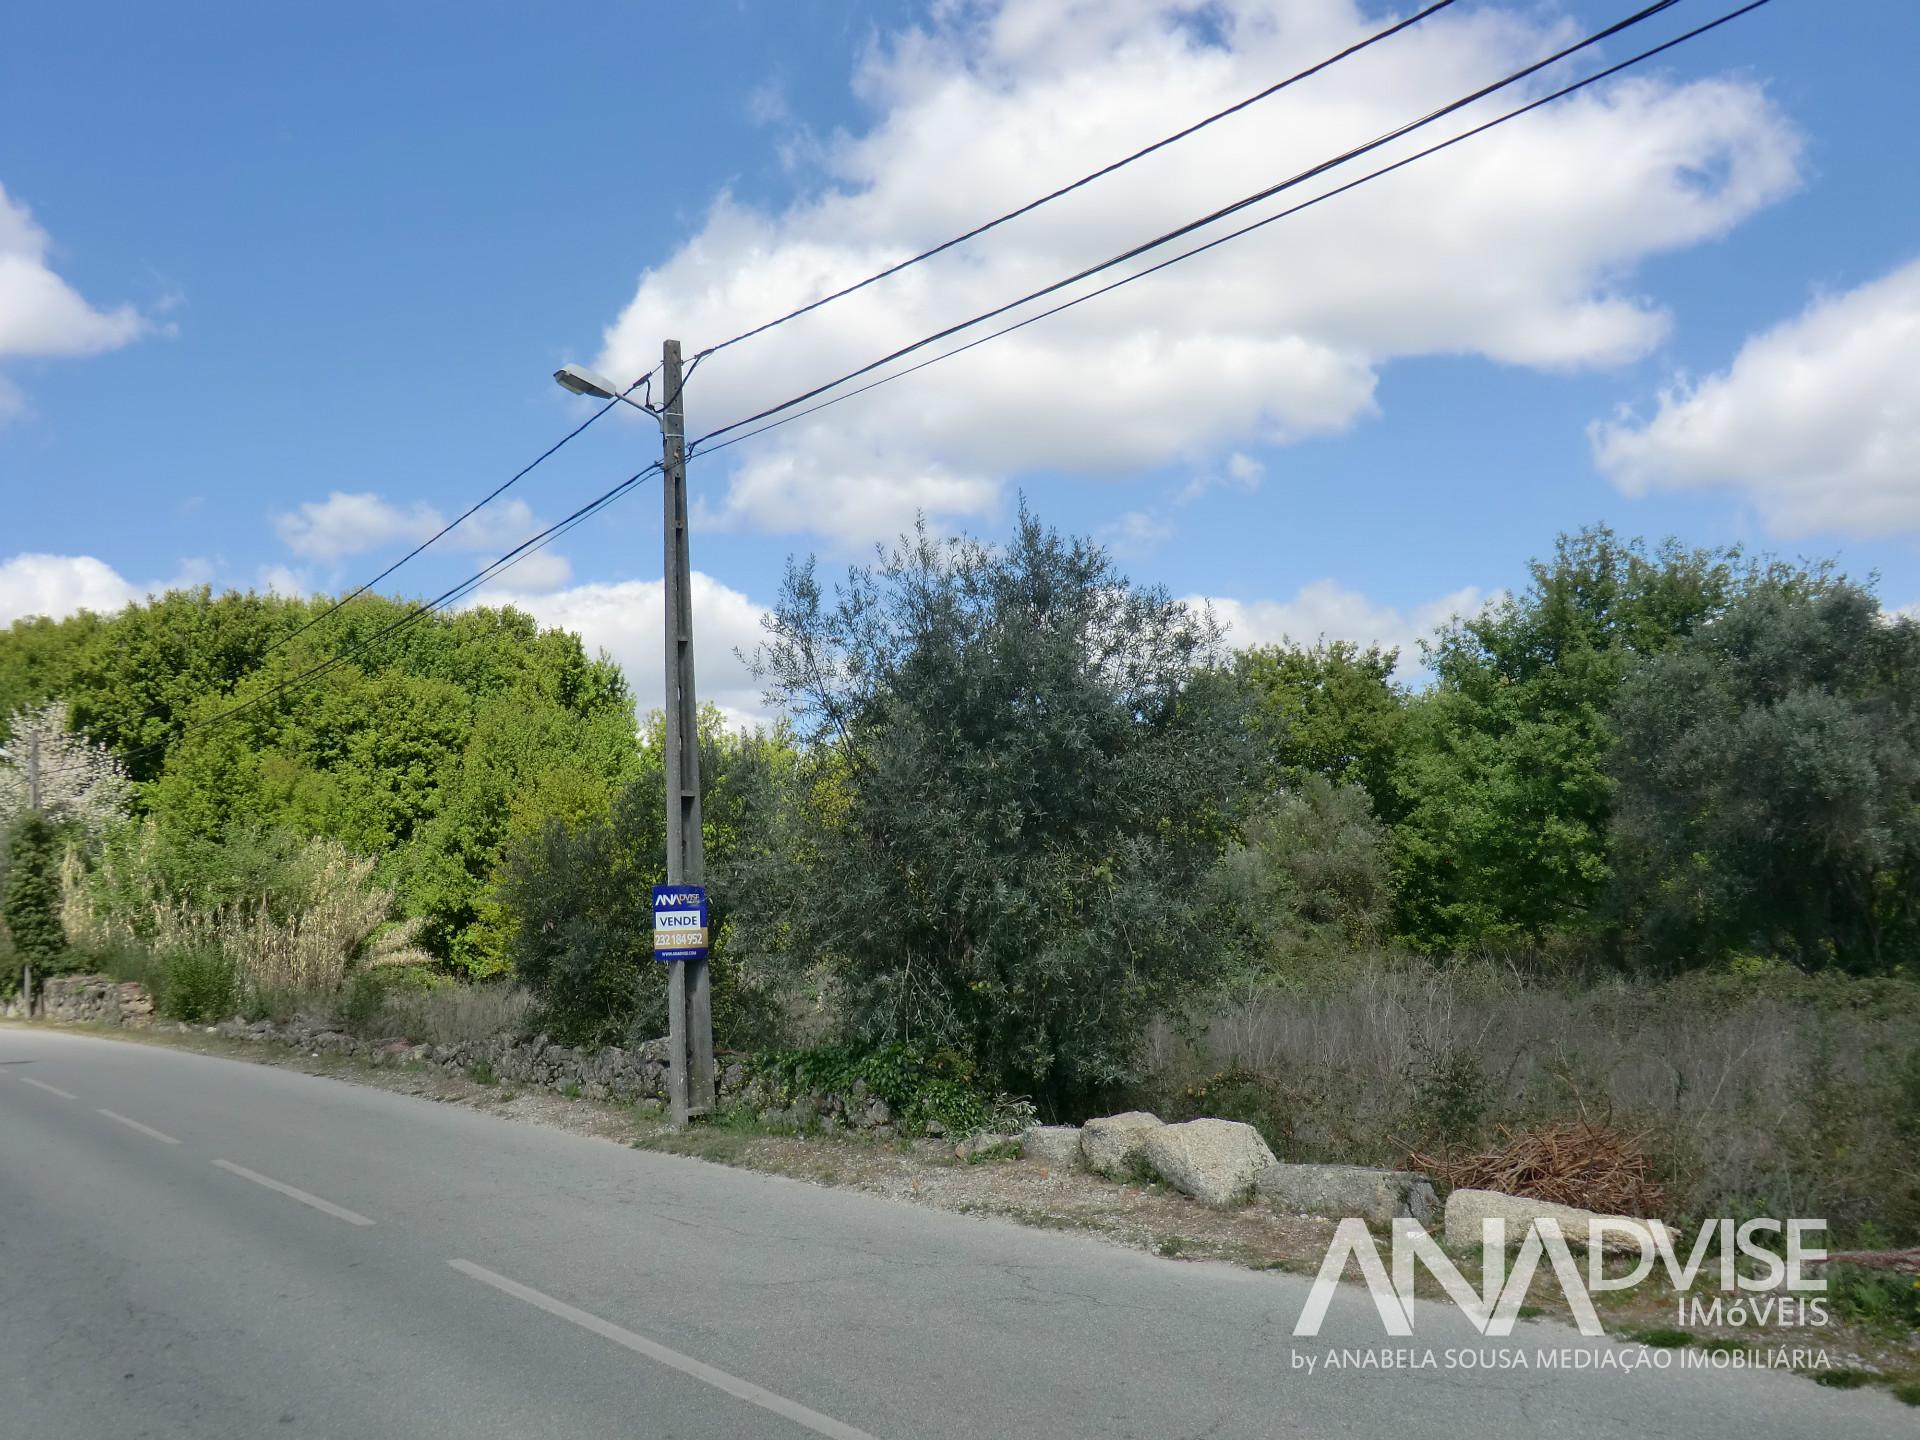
1187 229
1514 114
1084 180
459 519
538 541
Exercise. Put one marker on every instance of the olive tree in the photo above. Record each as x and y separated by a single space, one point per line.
1018 770
1769 786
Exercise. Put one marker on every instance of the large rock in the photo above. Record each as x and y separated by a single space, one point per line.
1378 1197
1110 1146
1467 1208
1214 1161
1055 1145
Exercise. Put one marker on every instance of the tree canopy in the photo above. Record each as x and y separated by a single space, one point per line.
1020 769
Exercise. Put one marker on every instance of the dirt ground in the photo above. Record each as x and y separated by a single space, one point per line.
926 1172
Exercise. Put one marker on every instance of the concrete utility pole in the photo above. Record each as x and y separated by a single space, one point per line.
689 992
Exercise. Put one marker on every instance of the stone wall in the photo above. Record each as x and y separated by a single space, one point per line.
630 1074
94 999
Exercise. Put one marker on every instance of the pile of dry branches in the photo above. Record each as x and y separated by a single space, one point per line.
1573 1162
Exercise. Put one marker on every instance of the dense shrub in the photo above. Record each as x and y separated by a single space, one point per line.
1308 878
202 983
30 903
919 1085
1017 772
581 894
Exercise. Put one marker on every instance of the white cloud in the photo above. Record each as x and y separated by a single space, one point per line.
540 571
344 525
283 581
1241 471
1136 533
1327 610
627 619
1817 421
42 315
59 585
1515 246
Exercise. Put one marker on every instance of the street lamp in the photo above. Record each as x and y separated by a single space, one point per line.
689 991
582 381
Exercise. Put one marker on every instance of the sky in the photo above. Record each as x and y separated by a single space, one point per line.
282 288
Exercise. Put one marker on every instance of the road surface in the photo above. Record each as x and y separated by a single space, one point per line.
199 1247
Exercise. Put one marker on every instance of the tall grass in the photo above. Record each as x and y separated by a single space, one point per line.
449 1013
1774 1093
248 955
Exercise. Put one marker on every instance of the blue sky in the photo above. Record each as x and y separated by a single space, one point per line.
262 256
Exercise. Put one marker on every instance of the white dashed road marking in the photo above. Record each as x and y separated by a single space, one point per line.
50 1089
325 1207
719 1379
146 1130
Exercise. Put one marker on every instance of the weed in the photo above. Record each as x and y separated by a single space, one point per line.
1908 1393
1170 1246
1843 1379
1662 1337
1882 1300
481 1073
202 984
571 1090
921 1086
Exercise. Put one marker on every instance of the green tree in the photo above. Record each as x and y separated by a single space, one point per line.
1331 709
1018 770
1769 787
1308 878
141 673
31 901
37 659
1502 794
430 751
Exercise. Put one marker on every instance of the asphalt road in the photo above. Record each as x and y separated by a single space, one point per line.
198 1247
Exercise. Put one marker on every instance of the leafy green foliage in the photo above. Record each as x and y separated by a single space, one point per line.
1018 771
920 1085
30 903
202 982
1886 1300
1309 876
1331 710
1770 787
581 894
1502 793
431 749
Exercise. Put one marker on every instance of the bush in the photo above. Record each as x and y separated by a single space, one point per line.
1308 876
31 901
296 919
446 1012
1019 771
580 891
919 1085
202 984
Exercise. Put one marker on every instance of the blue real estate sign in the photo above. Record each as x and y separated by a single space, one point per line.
679 922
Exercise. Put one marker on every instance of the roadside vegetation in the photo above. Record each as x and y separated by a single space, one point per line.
1641 848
